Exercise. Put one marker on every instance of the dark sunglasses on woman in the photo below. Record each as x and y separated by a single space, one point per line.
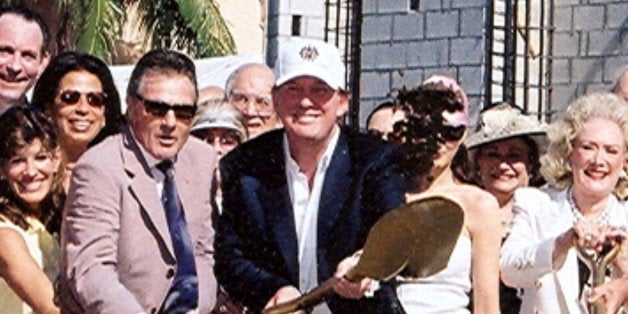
450 133
71 97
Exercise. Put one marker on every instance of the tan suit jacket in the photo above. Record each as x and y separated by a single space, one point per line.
117 254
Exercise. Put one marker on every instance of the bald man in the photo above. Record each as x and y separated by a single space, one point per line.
249 88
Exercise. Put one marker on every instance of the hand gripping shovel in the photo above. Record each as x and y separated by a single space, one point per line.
415 240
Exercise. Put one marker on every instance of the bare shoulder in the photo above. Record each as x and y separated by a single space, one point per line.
12 245
470 197
478 199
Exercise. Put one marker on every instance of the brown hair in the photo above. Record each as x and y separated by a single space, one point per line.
19 127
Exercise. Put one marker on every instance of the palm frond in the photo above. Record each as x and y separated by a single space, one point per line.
195 26
99 28
212 35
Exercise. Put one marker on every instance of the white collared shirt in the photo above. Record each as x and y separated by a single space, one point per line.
305 203
152 163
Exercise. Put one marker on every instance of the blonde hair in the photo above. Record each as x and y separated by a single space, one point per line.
555 165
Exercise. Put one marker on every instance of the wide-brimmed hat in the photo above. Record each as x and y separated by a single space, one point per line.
310 57
504 122
220 115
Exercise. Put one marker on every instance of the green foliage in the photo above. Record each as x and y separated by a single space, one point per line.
95 26
212 35
191 25
100 25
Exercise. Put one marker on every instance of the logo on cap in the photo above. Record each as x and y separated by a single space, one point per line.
309 53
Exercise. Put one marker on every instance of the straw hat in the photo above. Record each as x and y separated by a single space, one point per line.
221 114
505 121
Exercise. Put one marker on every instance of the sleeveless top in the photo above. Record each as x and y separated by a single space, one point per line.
44 249
444 292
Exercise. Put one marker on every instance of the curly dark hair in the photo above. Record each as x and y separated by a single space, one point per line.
19 127
423 129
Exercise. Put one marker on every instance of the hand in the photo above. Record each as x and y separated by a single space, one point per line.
614 294
346 288
589 235
616 236
284 294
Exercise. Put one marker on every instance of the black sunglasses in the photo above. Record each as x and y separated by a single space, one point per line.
71 97
160 108
451 133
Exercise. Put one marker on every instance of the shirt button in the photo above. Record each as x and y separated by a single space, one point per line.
170 273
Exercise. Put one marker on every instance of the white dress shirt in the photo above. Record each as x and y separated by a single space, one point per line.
305 203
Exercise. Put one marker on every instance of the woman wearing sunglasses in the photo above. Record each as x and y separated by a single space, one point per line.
78 93
31 198
432 134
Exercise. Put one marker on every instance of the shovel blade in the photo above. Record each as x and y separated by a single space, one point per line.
439 225
417 238
386 251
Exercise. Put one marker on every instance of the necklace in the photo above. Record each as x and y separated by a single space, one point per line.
601 219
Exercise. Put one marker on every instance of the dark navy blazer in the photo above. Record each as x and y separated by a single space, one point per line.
256 242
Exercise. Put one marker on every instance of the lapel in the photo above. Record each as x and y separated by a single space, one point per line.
335 189
567 277
143 188
275 200
184 172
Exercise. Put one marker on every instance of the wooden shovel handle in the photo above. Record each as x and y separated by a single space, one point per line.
306 301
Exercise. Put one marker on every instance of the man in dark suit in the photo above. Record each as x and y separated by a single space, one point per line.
299 201
137 234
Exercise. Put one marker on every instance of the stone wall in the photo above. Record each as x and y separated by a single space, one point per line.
401 46
589 47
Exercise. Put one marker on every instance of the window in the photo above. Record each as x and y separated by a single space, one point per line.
519 60
414 5
296 25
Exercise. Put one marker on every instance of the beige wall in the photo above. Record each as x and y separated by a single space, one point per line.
245 20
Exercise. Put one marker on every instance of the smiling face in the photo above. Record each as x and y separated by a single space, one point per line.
21 56
597 158
251 94
309 109
161 136
504 166
30 173
78 123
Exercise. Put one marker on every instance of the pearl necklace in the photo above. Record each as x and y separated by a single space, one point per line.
601 219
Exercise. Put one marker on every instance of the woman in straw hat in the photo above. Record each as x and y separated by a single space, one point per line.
505 148
583 165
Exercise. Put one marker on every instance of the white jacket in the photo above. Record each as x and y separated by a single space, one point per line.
526 257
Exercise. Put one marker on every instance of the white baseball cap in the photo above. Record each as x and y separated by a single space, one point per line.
310 57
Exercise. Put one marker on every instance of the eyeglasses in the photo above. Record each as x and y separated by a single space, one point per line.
228 139
71 97
160 108
263 104
451 133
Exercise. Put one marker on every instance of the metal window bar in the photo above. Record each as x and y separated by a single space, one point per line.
343 20
520 61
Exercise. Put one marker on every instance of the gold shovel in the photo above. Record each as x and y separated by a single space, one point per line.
415 240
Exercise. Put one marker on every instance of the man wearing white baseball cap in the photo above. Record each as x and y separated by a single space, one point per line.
299 201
